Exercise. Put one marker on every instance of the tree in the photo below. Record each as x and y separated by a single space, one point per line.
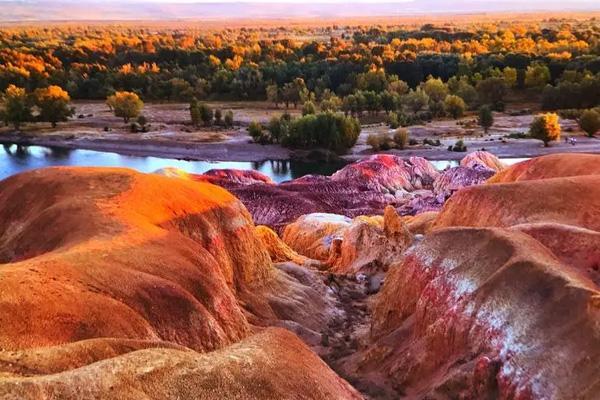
486 118
415 100
206 114
491 90
273 94
228 120
195 112
16 106
125 105
537 75
545 128
53 103
436 89
309 108
255 130
455 106
589 122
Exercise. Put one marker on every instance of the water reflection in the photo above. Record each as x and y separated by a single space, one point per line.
18 158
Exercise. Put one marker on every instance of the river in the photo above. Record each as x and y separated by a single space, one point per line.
15 159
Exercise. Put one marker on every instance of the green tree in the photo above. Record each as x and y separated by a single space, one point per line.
309 108
435 88
589 122
491 90
455 106
273 94
53 103
195 112
206 114
415 100
228 119
545 128
16 106
125 105
485 118
537 75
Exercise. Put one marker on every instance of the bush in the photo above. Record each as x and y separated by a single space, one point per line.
571 113
393 121
228 120
459 146
545 128
589 122
431 142
455 106
401 138
255 130
413 142
518 135
374 140
206 114
308 108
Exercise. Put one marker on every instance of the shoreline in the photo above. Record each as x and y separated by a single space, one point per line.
239 151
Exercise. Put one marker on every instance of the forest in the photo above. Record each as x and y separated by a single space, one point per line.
413 73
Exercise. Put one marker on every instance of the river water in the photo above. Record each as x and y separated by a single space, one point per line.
15 159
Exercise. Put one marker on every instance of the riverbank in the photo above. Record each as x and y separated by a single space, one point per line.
170 136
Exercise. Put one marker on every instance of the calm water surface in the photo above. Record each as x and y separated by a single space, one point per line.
15 159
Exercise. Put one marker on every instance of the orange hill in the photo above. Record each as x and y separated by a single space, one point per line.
101 262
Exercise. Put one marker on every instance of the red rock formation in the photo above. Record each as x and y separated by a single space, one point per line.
103 262
482 159
273 364
389 173
550 166
362 245
570 201
485 313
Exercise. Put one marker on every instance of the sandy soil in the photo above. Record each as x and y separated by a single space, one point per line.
171 136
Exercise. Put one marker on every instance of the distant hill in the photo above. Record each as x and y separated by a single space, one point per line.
61 10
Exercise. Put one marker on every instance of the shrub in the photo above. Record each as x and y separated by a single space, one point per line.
455 106
571 113
255 130
545 128
485 118
375 141
432 142
308 108
589 122
218 116
392 120
459 146
206 114
228 120
401 138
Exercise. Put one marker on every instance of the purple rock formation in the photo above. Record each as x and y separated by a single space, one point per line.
365 187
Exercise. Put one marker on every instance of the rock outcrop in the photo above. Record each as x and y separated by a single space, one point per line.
273 364
485 313
550 166
113 282
365 245
482 159
366 187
